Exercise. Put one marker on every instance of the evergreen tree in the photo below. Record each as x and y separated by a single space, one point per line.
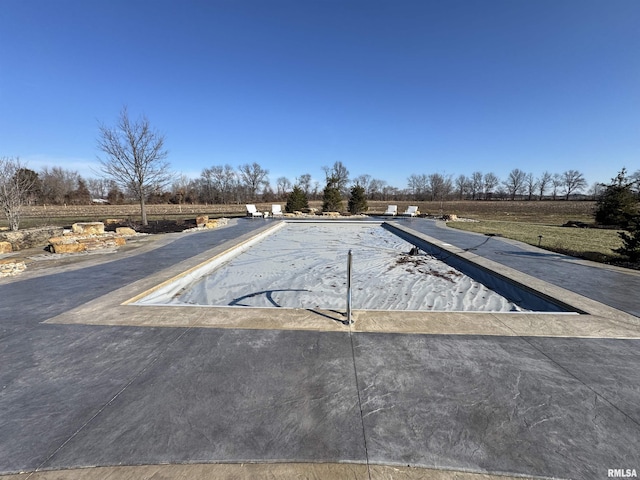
618 203
331 198
631 240
358 200
296 200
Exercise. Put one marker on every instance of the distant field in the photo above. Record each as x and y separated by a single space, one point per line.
519 220
547 212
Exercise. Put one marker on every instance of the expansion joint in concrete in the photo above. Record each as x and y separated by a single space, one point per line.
570 373
355 373
113 399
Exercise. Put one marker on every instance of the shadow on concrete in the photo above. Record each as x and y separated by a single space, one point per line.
269 294
340 317
548 255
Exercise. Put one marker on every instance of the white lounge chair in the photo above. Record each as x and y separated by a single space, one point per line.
392 210
276 210
411 211
252 211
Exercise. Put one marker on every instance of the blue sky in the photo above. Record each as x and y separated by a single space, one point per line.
389 88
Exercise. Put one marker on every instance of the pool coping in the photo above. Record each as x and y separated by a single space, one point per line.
246 471
115 309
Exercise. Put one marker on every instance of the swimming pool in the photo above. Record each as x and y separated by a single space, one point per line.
303 265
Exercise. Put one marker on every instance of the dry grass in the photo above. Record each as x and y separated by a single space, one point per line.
590 243
547 212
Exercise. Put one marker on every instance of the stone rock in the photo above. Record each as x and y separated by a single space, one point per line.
68 247
113 221
451 217
75 243
10 267
201 220
88 228
220 222
126 231
30 237
5 247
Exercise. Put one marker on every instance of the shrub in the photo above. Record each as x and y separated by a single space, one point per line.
296 200
631 240
331 198
618 203
358 200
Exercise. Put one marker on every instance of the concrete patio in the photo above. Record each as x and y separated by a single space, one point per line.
181 392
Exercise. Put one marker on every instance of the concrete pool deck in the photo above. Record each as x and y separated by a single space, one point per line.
88 382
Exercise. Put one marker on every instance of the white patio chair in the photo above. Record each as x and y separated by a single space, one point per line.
411 211
276 210
392 210
252 211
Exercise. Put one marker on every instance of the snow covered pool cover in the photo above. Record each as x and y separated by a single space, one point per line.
304 266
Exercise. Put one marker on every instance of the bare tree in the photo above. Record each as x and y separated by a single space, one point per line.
544 181
463 186
283 185
374 192
418 186
531 185
338 175
134 157
440 186
389 192
573 181
596 190
57 183
219 183
476 185
515 182
491 181
180 189
363 180
556 183
253 177
304 182
15 188
98 187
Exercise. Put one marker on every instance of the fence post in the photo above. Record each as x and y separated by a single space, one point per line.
349 256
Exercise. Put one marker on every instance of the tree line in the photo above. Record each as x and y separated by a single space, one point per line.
133 167
224 184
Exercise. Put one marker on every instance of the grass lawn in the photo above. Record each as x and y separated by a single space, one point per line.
590 243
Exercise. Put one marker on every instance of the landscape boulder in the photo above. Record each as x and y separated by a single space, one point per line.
10 267
88 228
5 247
216 223
30 237
201 220
451 217
66 244
76 243
125 231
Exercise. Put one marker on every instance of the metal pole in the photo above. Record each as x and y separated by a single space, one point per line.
349 256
